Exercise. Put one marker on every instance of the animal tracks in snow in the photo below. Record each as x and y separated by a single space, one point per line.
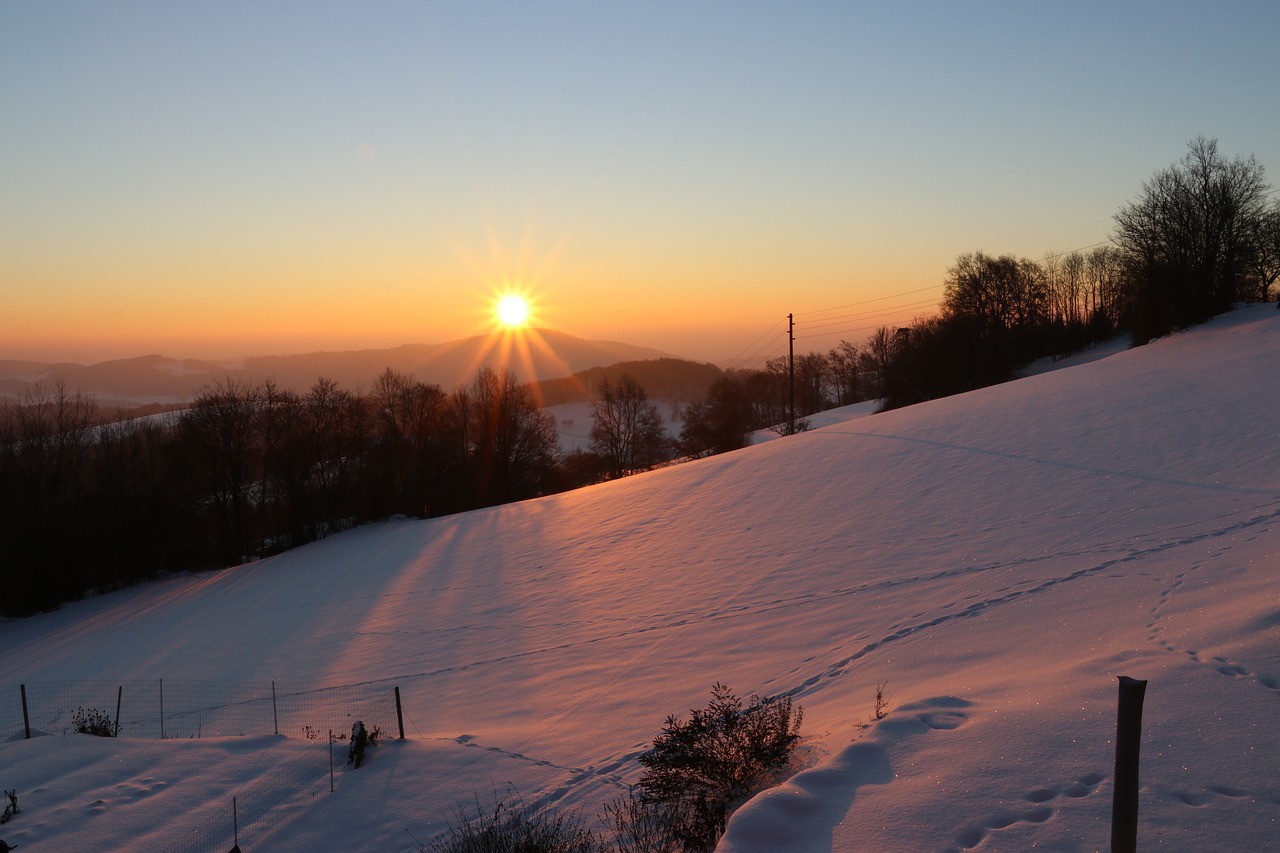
1223 665
1038 810
1203 798
801 814
977 603
609 772
1211 793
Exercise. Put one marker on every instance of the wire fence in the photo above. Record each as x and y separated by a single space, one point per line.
165 708
182 709
264 806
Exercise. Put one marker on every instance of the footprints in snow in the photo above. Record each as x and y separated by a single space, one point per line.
1040 809
577 774
1222 664
124 793
1203 798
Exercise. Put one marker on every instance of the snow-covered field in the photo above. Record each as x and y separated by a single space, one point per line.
997 558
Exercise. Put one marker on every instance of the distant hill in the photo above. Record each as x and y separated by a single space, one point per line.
672 379
161 379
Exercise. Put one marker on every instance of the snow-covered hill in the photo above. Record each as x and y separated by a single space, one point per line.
997 558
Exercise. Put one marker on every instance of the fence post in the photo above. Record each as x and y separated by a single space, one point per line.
275 714
399 713
119 696
26 720
330 761
1124 804
162 709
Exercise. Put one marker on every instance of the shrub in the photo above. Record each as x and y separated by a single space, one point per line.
698 771
639 826
516 829
93 722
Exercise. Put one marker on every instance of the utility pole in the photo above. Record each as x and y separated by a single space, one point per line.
791 370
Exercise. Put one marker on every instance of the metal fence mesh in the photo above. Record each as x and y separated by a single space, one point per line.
173 709
180 708
262 808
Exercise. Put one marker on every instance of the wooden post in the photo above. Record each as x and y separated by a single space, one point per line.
1124 804
275 713
26 720
162 709
119 696
399 713
330 761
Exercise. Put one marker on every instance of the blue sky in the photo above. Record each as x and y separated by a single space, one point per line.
225 178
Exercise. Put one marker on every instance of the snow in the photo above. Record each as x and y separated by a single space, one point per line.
995 559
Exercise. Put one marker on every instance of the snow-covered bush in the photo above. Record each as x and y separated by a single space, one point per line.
701 769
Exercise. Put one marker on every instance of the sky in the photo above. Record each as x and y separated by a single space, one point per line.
993 560
227 179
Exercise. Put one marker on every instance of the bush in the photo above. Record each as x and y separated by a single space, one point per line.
700 770
93 722
695 775
516 829
643 827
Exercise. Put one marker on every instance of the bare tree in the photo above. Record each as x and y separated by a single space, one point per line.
1104 270
512 442
627 429
722 420
877 360
220 432
1264 254
844 373
1004 293
1186 238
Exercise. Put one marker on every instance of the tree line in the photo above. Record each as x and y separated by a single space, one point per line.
92 498
248 470
1200 235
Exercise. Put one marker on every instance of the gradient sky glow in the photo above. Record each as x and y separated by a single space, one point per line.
218 179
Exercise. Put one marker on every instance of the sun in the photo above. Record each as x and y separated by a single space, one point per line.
513 311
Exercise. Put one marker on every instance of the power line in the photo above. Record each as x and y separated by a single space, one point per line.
756 354
1081 249
868 301
755 347
864 315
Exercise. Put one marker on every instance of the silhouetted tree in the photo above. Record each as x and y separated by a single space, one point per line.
844 373
877 360
512 444
811 383
1264 255
1004 293
721 421
220 440
1104 271
939 356
410 425
627 430
46 478
1186 238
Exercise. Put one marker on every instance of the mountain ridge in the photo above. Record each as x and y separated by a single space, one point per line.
153 378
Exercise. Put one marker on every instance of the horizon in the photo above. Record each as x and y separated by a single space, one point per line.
219 181
989 562
225 358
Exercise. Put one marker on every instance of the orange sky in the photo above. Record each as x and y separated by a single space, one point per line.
221 180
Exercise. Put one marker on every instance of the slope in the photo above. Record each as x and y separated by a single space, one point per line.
997 558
